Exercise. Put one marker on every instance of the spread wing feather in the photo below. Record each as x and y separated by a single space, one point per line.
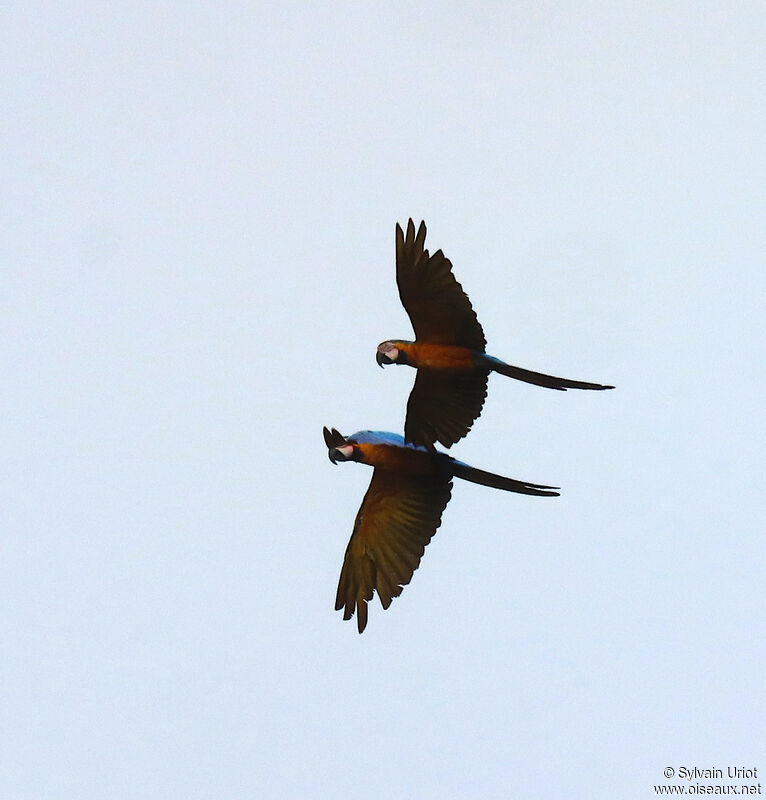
443 406
439 309
333 438
397 519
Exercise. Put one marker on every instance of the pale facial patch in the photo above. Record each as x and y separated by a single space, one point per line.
389 350
347 450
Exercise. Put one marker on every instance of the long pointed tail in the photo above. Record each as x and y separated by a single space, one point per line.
537 378
468 473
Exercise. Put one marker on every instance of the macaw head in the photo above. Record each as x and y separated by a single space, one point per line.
338 448
389 353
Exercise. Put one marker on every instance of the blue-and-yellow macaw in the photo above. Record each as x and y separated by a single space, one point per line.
401 511
449 348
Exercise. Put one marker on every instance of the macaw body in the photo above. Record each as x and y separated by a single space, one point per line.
429 355
389 452
400 513
449 351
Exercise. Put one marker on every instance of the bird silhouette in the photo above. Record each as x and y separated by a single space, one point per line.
449 348
401 511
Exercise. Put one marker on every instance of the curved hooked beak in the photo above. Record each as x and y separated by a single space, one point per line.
382 359
343 453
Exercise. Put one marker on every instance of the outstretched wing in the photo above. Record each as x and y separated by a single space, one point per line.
333 438
439 309
397 518
443 406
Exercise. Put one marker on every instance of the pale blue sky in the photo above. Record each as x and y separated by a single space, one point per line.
198 208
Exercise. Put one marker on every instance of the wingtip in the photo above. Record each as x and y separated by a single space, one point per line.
420 239
361 616
333 437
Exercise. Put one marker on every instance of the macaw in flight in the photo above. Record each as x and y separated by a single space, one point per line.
401 511
449 348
